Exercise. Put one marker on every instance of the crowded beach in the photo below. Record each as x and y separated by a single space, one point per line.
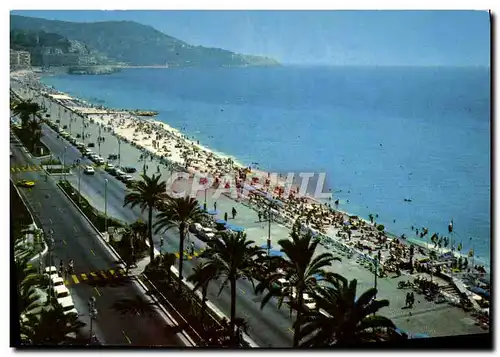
355 238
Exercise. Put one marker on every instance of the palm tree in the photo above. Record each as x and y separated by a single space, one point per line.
26 110
33 132
181 213
51 327
202 275
301 270
133 242
342 319
161 266
231 256
148 194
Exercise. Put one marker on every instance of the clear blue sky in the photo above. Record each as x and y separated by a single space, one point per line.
458 38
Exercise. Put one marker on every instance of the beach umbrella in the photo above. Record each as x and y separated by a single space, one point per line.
212 212
221 221
420 335
235 228
276 253
400 331
264 246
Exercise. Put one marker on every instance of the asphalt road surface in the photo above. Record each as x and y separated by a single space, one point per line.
121 319
269 327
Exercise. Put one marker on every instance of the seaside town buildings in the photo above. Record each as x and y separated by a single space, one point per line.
20 59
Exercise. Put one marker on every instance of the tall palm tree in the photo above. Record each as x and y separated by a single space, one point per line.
344 319
26 109
51 327
179 212
232 256
148 194
133 242
301 269
202 275
33 132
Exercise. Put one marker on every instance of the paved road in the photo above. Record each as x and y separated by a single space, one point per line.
75 239
269 327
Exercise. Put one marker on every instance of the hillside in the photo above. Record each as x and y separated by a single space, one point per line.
137 44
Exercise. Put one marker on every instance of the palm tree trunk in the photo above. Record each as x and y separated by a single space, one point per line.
233 307
204 293
182 229
296 329
150 235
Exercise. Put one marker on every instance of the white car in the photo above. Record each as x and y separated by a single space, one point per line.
100 160
67 305
61 291
109 167
89 170
51 272
57 281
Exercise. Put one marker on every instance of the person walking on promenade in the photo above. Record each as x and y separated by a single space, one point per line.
407 300
215 206
225 216
260 215
233 211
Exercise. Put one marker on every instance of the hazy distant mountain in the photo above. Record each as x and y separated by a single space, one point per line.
137 44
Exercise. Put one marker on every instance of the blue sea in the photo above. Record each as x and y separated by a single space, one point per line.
382 134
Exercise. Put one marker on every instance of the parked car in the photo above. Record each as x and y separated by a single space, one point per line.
109 167
112 157
100 160
60 291
67 305
57 281
89 170
51 272
129 169
91 145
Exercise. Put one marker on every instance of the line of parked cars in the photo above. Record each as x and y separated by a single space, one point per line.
60 291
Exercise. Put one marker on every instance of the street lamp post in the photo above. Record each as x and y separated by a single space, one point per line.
63 162
83 130
92 315
106 205
99 140
377 262
50 244
79 179
119 149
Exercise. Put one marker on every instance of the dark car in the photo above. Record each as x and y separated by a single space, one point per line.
129 170
112 157
91 145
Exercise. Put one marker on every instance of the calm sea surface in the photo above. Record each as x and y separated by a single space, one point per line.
380 134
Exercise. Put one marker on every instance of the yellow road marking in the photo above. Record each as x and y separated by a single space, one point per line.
18 169
75 279
111 271
64 242
66 282
74 229
91 251
243 291
103 275
177 255
196 254
122 271
84 276
97 291
126 337
94 275
190 257
290 330
12 169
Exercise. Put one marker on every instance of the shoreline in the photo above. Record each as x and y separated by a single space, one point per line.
193 143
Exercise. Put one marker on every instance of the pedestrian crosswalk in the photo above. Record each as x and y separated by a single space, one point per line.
101 275
26 168
190 256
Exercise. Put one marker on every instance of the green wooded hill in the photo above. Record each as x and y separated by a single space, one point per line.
137 44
